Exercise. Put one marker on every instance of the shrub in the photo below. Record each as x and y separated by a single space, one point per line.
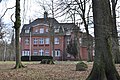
81 66
35 58
47 61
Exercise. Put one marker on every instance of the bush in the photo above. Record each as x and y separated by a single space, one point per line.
35 58
81 66
47 61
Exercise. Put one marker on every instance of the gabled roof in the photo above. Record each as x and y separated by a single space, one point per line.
38 21
67 26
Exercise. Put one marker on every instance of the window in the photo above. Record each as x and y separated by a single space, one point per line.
22 53
47 30
27 41
80 40
41 51
68 33
57 53
56 30
35 41
35 52
41 40
56 40
36 30
26 53
47 41
41 30
47 52
26 31
68 40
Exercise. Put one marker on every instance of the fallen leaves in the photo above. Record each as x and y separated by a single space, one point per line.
36 71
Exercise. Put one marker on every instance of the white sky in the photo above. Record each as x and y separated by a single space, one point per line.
32 11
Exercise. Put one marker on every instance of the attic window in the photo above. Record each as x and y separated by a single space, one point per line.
41 30
36 31
26 31
56 30
68 33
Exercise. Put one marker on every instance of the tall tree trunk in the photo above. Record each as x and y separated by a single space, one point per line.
115 43
103 67
17 35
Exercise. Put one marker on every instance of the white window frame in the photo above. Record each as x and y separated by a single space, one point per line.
41 41
56 30
26 31
80 40
57 53
35 52
26 41
47 52
35 41
47 41
26 53
68 40
23 53
46 30
56 40
36 30
41 30
68 32
41 51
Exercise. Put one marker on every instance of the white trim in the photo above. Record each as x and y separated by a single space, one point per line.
41 24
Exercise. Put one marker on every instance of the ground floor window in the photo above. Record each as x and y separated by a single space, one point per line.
41 51
57 53
47 52
35 52
25 53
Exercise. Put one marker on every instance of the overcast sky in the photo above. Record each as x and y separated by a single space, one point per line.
32 11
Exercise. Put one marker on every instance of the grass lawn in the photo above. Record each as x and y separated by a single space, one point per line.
36 71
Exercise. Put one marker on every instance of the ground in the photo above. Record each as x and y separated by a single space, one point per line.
36 71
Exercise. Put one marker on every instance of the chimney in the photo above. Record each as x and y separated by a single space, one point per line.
45 15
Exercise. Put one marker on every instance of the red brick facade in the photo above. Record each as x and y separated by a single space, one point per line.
36 40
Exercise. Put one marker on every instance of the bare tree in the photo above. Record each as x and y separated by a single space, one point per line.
17 25
69 6
115 43
103 67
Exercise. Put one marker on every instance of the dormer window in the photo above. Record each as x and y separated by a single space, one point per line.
26 31
68 40
68 33
80 40
26 41
56 30
41 30
56 40
36 31
47 30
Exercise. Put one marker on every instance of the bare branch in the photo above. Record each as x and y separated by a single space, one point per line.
7 10
11 18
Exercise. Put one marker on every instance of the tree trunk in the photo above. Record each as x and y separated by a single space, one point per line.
115 43
18 56
103 67
17 35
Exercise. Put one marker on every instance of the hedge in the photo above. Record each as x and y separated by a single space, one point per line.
35 58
